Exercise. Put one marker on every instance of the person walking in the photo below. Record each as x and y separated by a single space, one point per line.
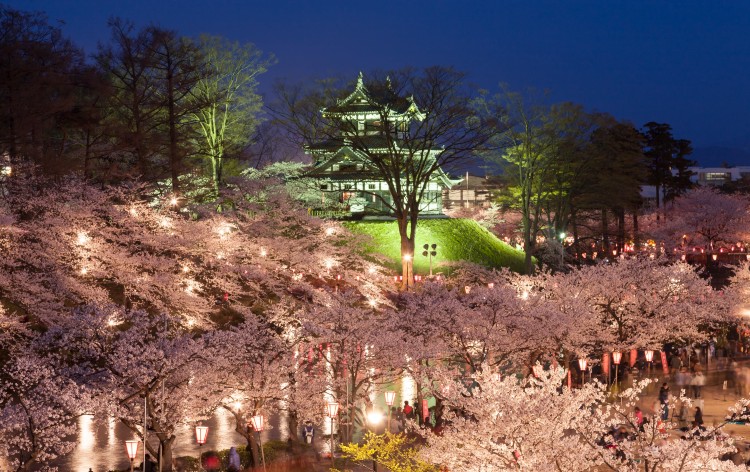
407 410
638 418
698 416
663 398
233 462
675 363
697 382
308 432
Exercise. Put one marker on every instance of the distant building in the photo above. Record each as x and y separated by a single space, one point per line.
715 176
471 192
345 175
719 175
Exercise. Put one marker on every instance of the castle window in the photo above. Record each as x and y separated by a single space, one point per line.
324 186
371 186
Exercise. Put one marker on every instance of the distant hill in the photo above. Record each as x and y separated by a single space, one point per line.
457 239
715 156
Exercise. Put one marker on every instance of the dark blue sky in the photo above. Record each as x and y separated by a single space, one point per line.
682 62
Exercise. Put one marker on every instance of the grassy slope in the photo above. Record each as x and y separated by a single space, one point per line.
456 239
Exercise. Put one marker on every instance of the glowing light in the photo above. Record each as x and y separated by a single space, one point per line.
190 286
224 229
173 201
491 285
582 363
263 252
373 303
83 238
185 268
257 422
201 434
332 409
330 231
374 418
372 270
87 439
84 271
131 447
328 263
390 397
407 257
616 358
649 355
165 222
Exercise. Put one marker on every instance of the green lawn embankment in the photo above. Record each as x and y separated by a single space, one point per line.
457 240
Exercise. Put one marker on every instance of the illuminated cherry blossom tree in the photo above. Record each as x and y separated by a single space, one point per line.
495 423
703 217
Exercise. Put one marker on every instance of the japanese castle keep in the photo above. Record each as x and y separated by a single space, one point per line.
341 166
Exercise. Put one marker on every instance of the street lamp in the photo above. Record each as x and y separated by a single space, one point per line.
582 365
390 397
332 409
649 357
616 358
201 434
131 447
257 422
429 253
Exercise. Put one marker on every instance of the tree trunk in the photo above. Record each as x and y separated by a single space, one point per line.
635 228
528 246
621 228
407 253
605 231
174 159
166 454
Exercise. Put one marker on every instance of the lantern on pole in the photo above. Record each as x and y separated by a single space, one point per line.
649 357
616 359
201 435
582 363
257 422
332 409
131 447
390 397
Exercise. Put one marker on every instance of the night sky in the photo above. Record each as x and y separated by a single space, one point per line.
682 62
